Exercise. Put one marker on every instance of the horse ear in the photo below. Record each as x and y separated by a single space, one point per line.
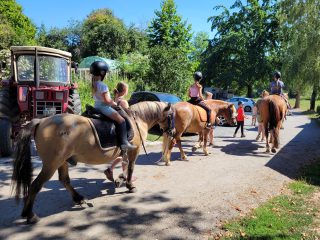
167 108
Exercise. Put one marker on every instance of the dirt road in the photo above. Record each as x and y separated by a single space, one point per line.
184 201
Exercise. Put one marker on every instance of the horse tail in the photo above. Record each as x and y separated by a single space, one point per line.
274 119
274 115
22 166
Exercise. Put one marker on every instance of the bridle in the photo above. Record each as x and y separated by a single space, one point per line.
171 124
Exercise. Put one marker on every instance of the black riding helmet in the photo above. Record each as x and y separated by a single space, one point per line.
277 74
99 68
197 76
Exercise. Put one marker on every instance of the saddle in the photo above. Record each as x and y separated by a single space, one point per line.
203 114
104 128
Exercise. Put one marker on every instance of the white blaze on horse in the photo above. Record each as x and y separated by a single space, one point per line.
61 137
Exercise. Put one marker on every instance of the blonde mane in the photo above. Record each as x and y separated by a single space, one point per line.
148 111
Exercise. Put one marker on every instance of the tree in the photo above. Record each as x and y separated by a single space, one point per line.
170 71
169 40
168 29
135 67
67 39
138 41
104 34
243 49
300 25
200 44
15 27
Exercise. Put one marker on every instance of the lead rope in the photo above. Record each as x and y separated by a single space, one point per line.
144 148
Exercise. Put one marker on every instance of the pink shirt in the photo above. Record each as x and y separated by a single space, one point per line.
194 91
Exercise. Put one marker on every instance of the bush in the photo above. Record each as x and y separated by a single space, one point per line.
170 71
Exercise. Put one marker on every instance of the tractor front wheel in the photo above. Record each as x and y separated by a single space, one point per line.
74 103
6 142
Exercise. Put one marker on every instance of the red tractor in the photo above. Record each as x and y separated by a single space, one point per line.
39 87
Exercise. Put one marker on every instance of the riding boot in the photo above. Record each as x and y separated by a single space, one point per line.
123 137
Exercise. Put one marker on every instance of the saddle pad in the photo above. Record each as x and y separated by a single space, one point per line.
105 132
104 128
203 114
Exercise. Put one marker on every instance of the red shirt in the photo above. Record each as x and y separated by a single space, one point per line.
240 116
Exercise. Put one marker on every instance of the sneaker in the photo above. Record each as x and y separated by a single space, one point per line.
234 135
243 135
109 174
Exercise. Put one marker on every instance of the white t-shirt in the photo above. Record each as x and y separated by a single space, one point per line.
101 88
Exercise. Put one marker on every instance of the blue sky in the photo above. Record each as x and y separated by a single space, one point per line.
57 13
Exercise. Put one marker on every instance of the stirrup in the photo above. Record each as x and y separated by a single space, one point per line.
129 146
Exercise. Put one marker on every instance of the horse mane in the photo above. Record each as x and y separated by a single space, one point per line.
148 110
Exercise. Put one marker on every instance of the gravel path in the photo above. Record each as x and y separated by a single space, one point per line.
184 201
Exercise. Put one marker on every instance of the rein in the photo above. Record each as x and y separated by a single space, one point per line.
144 148
169 130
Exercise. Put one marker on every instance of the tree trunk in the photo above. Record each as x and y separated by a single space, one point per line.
314 97
297 103
249 92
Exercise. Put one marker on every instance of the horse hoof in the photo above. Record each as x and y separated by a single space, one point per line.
194 149
273 150
168 163
206 153
268 151
78 200
131 188
32 220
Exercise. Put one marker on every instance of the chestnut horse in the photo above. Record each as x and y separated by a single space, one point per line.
60 137
187 119
272 109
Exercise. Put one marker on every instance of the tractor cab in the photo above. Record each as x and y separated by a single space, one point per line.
42 76
39 86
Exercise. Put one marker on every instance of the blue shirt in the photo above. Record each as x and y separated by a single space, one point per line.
276 87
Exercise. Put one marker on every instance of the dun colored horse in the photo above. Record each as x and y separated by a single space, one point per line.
60 137
188 119
272 110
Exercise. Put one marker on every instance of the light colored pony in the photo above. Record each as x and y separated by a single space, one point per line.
61 137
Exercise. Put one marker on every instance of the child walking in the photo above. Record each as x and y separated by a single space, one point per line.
260 127
120 92
240 119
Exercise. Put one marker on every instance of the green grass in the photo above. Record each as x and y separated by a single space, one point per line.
305 106
289 216
153 137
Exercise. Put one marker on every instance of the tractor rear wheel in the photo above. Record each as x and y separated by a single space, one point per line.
74 103
6 142
9 104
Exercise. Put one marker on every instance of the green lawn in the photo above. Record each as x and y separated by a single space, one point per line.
153 137
289 216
